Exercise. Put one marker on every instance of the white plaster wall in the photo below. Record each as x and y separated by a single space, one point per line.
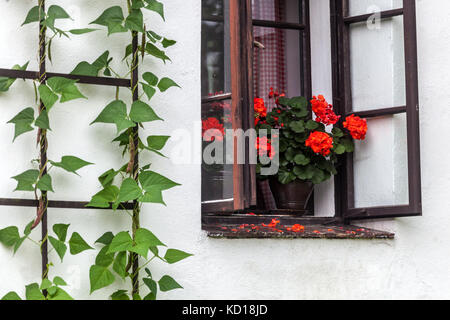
414 265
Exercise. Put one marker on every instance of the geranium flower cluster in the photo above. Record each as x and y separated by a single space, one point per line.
320 142
212 129
356 126
324 111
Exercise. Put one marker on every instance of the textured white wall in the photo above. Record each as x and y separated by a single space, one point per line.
414 265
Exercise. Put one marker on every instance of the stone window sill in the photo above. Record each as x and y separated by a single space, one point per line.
244 226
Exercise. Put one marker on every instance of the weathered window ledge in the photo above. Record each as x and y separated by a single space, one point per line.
243 226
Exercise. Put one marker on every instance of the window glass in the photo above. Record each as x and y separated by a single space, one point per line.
358 7
276 10
381 164
377 64
213 7
277 65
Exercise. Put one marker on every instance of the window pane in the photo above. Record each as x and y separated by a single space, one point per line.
276 10
357 7
213 7
278 64
215 58
381 164
377 65
217 177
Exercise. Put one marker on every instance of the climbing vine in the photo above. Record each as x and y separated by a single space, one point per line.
127 254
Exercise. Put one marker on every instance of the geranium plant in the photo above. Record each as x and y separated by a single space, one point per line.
308 145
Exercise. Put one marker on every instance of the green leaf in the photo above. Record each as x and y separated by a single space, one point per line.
56 12
60 294
9 236
26 180
34 15
150 78
312 125
154 51
104 198
11 296
115 112
47 96
142 112
166 83
112 18
167 283
18 244
120 295
42 121
100 277
60 247
61 231
148 90
348 144
103 258
106 238
153 287
156 6
6 83
32 292
339 149
168 43
337 133
120 264
85 69
147 238
152 181
81 31
301 159
22 122
71 164
297 126
77 244
45 183
45 284
157 142
135 21
107 178
59 281
52 290
174 255
129 190
153 197
66 88
121 242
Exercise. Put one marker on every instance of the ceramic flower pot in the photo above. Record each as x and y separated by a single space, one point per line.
292 196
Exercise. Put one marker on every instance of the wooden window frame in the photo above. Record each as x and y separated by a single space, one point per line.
342 96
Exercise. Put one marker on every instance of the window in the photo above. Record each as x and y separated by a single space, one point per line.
252 45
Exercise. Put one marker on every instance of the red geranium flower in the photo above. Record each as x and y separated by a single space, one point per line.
260 108
356 126
320 142
324 111
264 147
212 129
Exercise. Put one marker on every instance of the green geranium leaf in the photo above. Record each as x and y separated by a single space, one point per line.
339 149
167 283
9 236
61 231
59 246
312 125
47 96
22 122
34 15
77 244
156 6
45 183
348 144
121 242
120 264
32 292
166 83
297 126
174 255
100 277
106 238
301 159
152 181
71 164
129 190
26 180
142 112
11 296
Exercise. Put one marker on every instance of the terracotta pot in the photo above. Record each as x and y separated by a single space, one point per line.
292 196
